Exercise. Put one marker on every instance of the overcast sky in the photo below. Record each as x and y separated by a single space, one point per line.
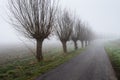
102 15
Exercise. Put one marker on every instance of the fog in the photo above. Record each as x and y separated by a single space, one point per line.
103 16
81 46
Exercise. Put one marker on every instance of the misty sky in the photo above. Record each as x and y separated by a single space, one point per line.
102 15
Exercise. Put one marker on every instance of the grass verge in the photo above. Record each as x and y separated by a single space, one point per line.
29 69
113 50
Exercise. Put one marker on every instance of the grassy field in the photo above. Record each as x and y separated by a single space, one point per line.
20 50
23 65
113 50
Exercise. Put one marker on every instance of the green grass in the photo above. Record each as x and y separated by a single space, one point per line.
29 68
113 50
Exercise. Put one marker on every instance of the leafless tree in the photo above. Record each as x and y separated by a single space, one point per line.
34 19
87 34
76 32
81 34
64 28
91 36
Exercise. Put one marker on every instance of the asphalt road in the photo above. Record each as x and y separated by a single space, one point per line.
92 64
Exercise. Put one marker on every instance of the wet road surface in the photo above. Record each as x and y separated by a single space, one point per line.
92 64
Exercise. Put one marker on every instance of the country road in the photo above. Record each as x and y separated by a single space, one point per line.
92 64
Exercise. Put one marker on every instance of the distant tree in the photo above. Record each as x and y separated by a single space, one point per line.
64 28
82 34
88 34
34 19
91 36
76 33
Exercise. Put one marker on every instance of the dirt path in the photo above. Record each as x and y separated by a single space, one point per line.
92 64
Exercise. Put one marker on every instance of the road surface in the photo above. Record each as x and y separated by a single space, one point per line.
92 64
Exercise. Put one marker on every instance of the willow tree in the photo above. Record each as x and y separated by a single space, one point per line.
76 33
89 36
64 28
82 34
34 19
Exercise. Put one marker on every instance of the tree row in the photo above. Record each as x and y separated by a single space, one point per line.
37 19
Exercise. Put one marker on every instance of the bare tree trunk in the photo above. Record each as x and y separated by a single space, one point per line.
64 46
39 55
82 44
86 43
75 44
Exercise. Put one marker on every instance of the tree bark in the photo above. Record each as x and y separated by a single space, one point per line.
39 55
75 44
64 46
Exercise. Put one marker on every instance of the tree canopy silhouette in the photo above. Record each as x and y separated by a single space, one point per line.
34 19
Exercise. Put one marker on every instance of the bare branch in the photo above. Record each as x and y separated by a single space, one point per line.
34 18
